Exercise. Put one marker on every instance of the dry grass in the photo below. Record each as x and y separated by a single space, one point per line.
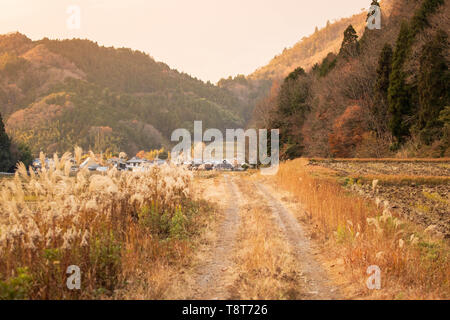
394 160
385 179
119 228
413 264
266 265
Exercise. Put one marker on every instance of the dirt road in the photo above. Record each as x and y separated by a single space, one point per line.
211 278
258 249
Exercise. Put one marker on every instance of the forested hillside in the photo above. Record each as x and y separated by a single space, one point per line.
344 91
307 52
310 50
314 48
55 94
384 93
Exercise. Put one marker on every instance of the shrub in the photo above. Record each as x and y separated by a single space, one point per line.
16 288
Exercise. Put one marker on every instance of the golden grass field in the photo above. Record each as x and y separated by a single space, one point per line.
415 264
168 234
120 229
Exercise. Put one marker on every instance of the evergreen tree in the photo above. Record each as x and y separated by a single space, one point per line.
444 118
420 19
350 45
379 109
328 64
398 92
384 71
290 114
433 86
20 152
5 146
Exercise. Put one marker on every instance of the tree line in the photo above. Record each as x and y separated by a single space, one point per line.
384 93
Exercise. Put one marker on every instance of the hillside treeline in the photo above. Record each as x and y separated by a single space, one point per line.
383 94
55 94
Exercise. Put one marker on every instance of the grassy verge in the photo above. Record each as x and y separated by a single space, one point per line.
151 263
413 264
266 266
127 232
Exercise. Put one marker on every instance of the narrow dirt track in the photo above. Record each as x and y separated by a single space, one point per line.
216 275
211 276
317 285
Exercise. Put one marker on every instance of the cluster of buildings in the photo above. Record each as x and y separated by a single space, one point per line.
221 165
136 164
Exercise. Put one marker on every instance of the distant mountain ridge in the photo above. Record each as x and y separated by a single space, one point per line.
310 50
54 94
384 93
307 52
314 48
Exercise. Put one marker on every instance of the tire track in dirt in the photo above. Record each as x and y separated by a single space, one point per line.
317 284
211 277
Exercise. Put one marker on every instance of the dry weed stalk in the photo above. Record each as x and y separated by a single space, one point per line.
413 264
50 220
267 267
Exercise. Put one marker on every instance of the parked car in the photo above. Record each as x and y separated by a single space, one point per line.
224 166
209 166
93 167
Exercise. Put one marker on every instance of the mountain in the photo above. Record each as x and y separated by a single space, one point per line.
55 94
382 93
343 91
314 48
310 50
307 52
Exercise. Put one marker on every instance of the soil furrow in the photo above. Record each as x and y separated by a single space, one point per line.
212 282
317 283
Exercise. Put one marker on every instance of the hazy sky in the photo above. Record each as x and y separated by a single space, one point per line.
208 39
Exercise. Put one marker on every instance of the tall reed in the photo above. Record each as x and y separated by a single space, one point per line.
51 220
413 264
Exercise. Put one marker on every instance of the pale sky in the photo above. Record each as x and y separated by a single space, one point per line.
208 39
